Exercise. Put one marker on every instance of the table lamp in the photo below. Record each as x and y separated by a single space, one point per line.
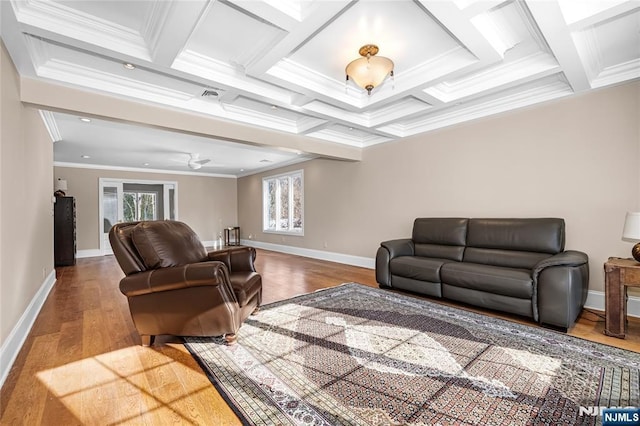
60 187
631 232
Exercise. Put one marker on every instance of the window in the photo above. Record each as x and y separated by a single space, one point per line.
139 206
282 203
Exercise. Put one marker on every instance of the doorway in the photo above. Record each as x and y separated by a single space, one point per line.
123 200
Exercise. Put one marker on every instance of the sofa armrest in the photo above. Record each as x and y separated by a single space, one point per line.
396 248
387 251
237 259
566 258
561 286
177 277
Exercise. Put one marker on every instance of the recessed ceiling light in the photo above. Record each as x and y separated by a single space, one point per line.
350 128
145 164
85 156
85 119
265 161
274 107
129 66
242 170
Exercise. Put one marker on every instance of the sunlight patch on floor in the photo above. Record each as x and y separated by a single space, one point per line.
124 385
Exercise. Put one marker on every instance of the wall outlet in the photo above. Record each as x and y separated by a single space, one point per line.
325 245
251 236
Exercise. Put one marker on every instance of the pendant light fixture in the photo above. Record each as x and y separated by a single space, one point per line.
369 71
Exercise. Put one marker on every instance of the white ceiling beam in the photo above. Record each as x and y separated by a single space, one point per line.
168 28
321 16
601 16
457 24
551 23
46 95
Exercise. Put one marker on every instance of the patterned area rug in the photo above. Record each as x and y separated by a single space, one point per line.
355 355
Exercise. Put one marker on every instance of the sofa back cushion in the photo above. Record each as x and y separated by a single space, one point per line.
442 238
515 243
167 243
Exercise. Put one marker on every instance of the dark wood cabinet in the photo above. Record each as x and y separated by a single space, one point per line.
64 231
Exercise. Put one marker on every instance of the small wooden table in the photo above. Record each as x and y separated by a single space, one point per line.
619 274
228 232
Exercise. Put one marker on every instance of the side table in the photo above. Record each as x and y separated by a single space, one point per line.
232 230
619 274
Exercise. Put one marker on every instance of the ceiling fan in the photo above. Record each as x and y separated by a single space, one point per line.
195 163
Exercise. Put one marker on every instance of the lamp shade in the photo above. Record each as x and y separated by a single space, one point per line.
631 229
60 185
369 71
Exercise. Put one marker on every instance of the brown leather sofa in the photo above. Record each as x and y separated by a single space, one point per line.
175 287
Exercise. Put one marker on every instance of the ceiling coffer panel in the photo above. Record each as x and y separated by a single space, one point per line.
233 36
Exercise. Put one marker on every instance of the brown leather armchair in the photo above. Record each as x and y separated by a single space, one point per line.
175 287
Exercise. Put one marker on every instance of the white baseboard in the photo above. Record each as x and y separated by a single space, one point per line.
364 262
595 300
12 345
89 253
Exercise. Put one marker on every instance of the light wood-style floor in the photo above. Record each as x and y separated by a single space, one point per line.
82 363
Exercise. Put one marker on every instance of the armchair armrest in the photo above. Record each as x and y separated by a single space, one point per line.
237 259
387 251
177 277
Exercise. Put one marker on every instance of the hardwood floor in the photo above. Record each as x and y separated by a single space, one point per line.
82 362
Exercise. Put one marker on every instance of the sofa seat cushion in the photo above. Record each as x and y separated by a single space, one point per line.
417 268
491 279
246 285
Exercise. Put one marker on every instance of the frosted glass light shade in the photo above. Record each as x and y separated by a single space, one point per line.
369 71
631 229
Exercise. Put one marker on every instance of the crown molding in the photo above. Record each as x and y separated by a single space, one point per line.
336 136
139 170
70 22
300 159
548 89
50 123
224 74
155 22
493 77
406 107
617 73
100 80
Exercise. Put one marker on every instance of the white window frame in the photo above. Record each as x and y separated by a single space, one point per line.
265 205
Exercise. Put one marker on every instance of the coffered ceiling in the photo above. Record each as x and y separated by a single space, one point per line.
279 64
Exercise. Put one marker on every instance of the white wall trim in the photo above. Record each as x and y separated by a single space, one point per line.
364 262
595 300
80 254
12 345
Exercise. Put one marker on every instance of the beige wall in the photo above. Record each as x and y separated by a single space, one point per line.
204 203
26 181
576 158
